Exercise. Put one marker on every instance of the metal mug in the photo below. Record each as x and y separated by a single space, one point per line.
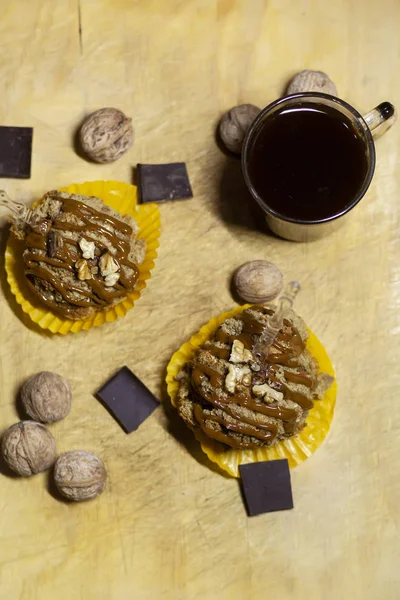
373 123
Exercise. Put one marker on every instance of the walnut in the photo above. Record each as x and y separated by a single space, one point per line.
28 448
246 380
107 264
311 81
111 279
83 270
47 397
239 354
235 377
265 390
55 243
87 248
234 125
258 281
80 475
106 135
254 366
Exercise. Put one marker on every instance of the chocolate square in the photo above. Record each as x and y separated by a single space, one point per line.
160 183
266 486
15 152
127 399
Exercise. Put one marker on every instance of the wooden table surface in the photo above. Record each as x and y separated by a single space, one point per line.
168 525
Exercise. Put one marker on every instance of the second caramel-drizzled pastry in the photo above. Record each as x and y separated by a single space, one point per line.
245 401
82 256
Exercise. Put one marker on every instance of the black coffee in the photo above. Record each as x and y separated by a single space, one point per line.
307 162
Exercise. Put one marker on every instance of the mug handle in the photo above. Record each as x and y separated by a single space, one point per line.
380 118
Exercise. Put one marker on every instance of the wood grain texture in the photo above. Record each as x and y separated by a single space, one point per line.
168 527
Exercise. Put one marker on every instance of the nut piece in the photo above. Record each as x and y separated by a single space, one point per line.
258 281
83 270
55 243
111 279
265 390
47 397
239 354
312 81
235 124
106 135
107 264
28 448
87 248
80 475
236 375
246 380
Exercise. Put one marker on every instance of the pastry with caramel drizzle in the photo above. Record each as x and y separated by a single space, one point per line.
244 400
82 256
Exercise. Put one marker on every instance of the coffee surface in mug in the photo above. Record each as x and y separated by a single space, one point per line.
307 162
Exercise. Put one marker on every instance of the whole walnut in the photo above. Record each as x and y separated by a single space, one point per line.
47 397
28 448
106 135
80 475
311 81
258 281
235 124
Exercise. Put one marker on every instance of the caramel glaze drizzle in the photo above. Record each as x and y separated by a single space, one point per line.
286 349
66 256
201 418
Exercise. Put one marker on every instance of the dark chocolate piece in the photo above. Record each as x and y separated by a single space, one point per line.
266 486
15 152
127 399
160 183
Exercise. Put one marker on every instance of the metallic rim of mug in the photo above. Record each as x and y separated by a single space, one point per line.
335 100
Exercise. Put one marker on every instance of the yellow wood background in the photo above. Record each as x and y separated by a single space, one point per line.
168 526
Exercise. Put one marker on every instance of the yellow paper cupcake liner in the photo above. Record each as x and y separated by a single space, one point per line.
295 449
120 196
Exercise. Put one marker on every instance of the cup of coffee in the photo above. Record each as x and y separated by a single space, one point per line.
308 159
